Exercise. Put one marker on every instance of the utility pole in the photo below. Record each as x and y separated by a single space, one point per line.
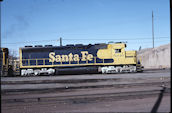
60 41
152 30
1 65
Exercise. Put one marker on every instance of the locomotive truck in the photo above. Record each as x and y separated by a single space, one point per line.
76 59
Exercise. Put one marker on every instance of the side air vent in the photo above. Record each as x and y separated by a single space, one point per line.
38 45
121 42
100 43
118 42
27 46
69 45
110 42
78 44
48 45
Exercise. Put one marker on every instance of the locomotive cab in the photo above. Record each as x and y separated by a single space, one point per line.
124 61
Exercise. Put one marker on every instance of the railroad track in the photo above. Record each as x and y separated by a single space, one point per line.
74 91
70 87
86 98
33 90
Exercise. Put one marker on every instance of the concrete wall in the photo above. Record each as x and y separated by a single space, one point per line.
159 57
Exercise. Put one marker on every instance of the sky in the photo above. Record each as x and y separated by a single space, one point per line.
43 22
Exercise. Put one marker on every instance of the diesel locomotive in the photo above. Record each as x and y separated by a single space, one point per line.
76 59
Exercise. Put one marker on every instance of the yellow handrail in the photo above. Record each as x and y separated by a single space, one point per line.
29 62
44 59
36 62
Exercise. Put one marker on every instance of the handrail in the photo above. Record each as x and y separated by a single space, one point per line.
43 61
61 63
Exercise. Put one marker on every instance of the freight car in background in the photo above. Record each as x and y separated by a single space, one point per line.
9 67
77 59
4 62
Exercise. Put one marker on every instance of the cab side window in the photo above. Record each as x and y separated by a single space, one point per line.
117 50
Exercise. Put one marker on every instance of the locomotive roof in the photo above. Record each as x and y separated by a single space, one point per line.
101 45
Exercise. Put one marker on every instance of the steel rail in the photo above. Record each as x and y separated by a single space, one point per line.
93 97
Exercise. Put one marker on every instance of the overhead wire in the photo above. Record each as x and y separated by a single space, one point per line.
85 39
31 41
